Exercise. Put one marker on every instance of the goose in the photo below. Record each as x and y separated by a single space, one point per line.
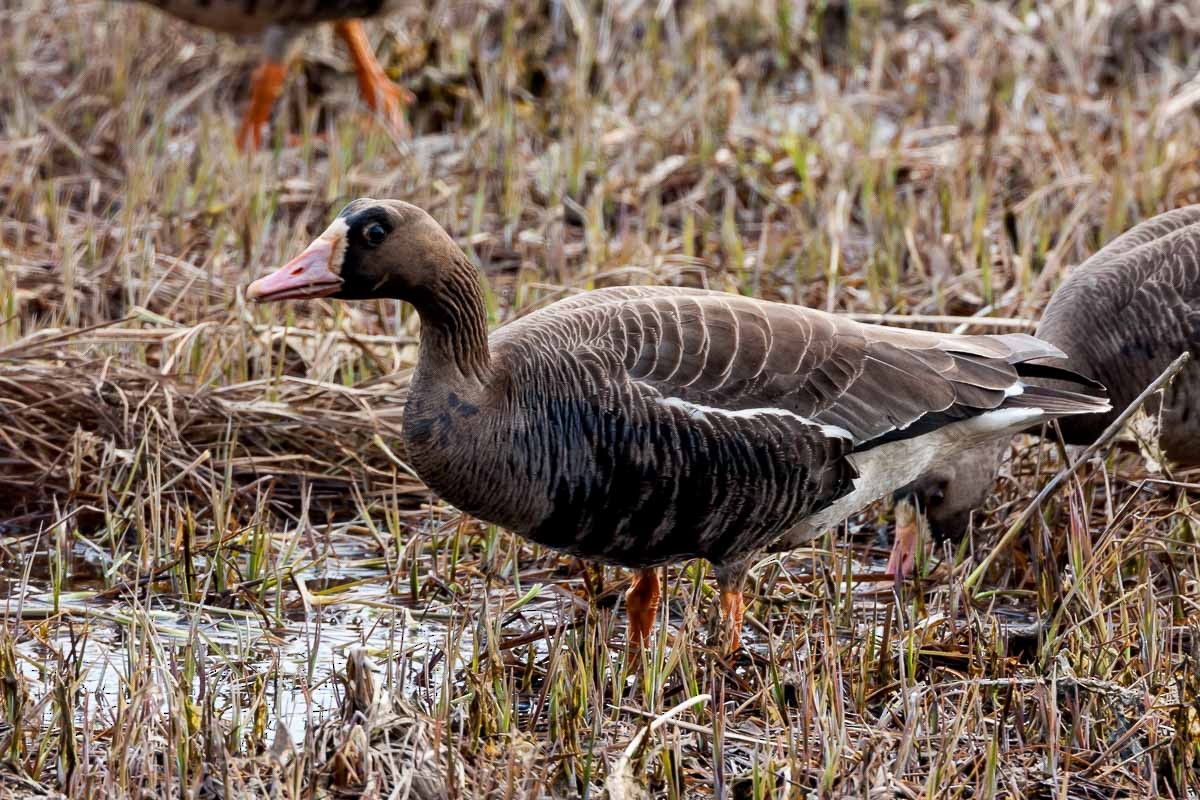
278 22
645 425
1121 317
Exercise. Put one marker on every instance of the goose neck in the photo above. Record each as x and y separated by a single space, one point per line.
454 330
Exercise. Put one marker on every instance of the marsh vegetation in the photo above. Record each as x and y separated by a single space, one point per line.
220 577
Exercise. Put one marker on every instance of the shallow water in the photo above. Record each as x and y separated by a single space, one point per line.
294 643
283 648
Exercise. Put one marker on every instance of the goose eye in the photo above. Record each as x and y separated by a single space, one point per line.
374 234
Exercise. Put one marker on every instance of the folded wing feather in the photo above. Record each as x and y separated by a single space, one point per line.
723 351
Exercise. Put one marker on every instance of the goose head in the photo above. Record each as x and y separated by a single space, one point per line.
373 249
943 501
949 493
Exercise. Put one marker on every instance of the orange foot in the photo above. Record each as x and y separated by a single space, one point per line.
266 85
641 603
377 89
733 609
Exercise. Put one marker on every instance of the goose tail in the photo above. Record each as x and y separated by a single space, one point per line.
1058 402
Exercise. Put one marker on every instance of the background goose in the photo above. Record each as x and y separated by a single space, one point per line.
1122 316
278 22
645 425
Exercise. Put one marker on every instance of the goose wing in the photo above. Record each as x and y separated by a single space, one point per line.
875 383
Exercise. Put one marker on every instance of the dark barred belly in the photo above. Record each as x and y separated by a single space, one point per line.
709 499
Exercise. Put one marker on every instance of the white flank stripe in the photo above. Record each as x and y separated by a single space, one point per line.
1014 390
697 411
1002 418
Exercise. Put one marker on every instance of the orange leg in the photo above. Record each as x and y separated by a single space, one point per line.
380 93
733 608
641 603
266 85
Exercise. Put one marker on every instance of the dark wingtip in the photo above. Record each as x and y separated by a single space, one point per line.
1052 373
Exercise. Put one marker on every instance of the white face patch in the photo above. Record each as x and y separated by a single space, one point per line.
335 234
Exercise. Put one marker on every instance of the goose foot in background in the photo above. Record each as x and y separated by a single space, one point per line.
383 96
641 603
266 85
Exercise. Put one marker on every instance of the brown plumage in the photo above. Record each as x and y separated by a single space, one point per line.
1121 317
645 425
278 22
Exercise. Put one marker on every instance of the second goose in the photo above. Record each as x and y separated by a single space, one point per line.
647 425
1121 316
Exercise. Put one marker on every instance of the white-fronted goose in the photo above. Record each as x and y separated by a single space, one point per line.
645 425
1121 317
278 22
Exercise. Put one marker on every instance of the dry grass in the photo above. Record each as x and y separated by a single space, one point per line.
204 506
